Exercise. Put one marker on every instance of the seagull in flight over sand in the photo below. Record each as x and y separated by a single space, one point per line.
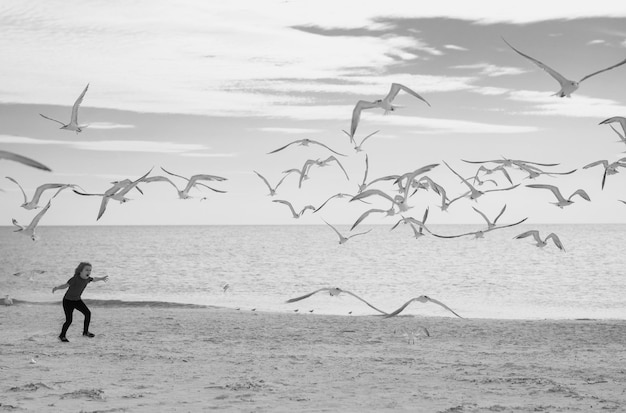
73 125
539 242
609 168
32 204
29 230
421 299
562 202
295 214
385 103
305 142
343 239
272 189
567 86
10 156
334 291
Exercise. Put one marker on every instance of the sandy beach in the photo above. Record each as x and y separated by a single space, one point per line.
159 358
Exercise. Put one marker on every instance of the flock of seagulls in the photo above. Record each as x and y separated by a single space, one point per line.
396 199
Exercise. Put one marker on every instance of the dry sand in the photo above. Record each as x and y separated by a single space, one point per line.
151 358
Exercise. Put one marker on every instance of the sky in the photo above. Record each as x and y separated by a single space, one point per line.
212 87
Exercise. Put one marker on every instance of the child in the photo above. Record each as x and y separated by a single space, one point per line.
72 300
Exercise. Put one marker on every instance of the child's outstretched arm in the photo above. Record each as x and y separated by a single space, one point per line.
105 278
60 287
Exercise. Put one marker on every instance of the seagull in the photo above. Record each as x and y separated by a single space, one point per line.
182 193
567 86
489 223
331 159
73 125
562 202
358 148
339 195
619 119
534 172
609 168
334 291
29 230
421 299
8 300
272 190
343 239
305 142
364 215
481 233
417 226
475 193
488 171
385 103
10 156
193 181
32 204
117 192
542 243
364 185
295 214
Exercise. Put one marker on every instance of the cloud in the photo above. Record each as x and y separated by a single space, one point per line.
491 70
110 145
208 155
289 131
579 105
597 41
109 125
455 47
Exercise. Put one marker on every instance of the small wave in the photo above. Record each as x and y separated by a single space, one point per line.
119 303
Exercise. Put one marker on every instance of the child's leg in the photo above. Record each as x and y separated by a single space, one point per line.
82 307
68 308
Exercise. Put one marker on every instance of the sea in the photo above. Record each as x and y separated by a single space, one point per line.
260 267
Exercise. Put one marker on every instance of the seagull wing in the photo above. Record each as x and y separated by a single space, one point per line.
302 297
38 217
40 190
603 70
23 160
432 300
397 87
603 162
371 192
54 120
356 114
582 194
359 298
334 229
556 75
359 233
293 211
283 147
325 146
500 214
552 188
365 215
502 189
556 240
173 174
265 180
462 179
533 232
19 186
489 223
621 137
74 118
399 310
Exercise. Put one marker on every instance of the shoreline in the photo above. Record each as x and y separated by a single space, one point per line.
197 359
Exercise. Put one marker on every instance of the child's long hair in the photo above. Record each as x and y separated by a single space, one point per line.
80 267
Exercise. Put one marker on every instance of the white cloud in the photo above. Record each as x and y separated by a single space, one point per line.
112 145
455 47
578 105
208 155
290 131
598 41
488 69
109 125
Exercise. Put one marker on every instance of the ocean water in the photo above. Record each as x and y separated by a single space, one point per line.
492 277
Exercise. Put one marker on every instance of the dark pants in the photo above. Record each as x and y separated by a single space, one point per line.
68 307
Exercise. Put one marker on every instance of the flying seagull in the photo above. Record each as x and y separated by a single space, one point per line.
305 142
609 168
567 86
421 299
32 204
73 125
29 230
385 103
294 214
541 242
334 291
562 202
10 156
343 239
272 189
